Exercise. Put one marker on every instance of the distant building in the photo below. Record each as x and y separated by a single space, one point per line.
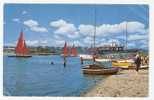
113 47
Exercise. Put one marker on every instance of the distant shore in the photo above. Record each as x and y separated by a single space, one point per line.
43 54
127 83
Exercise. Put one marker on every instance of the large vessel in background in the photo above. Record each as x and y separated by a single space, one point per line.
21 49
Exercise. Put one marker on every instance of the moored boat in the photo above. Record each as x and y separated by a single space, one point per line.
123 63
86 56
21 50
102 60
72 52
97 70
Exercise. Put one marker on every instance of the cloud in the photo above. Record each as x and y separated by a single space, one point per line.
113 29
105 33
24 12
32 42
86 29
137 37
31 23
63 27
36 42
39 29
16 20
34 26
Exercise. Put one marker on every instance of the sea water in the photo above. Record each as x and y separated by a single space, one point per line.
36 76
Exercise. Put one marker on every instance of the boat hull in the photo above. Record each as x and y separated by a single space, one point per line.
101 71
123 63
86 57
23 56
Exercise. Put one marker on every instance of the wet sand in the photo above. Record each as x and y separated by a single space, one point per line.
127 83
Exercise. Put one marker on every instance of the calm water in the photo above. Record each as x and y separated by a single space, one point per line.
37 77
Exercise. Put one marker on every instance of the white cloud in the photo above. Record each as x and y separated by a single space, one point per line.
86 29
36 42
32 42
34 26
105 33
65 29
135 27
24 12
87 40
136 37
16 20
31 23
58 23
59 43
113 29
39 29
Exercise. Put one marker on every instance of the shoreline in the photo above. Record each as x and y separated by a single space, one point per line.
127 83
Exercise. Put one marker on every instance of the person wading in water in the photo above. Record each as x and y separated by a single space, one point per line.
137 62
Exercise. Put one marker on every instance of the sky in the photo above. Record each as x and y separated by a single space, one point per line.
53 24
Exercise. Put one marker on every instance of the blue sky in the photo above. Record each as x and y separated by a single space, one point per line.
52 24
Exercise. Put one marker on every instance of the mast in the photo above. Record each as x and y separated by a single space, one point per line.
94 52
94 26
126 37
65 49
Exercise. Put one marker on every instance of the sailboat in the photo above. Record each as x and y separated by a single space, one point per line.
21 49
96 69
65 50
69 52
73 51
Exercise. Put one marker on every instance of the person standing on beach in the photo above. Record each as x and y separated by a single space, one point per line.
137 62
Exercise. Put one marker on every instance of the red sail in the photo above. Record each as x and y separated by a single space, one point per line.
74 51
21 46
65 50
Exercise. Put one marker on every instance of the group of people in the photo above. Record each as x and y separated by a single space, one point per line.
141 61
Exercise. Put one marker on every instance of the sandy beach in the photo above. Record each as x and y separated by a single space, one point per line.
127 83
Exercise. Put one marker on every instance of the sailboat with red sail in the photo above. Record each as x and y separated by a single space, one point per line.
73 51
21 49
65 50
69 52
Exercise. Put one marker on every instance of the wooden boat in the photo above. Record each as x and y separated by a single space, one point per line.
22 56
102 60
123 63
86 56
21 50
97 70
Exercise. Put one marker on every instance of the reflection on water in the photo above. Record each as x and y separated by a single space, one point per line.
37 77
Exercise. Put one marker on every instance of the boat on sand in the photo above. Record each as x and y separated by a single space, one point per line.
123 63
95 69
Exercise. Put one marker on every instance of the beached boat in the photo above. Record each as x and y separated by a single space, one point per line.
97 70
21 50
86 56
123 63
102 60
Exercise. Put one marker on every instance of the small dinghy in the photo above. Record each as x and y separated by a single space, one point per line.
98 70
